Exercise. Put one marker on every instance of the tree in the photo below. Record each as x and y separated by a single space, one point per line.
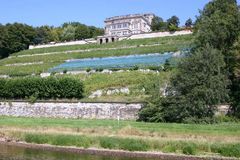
235 88
173 21
189 23
43 35
94 31
4 48
218 25
68 33
20 36
82 32
158 24
195 91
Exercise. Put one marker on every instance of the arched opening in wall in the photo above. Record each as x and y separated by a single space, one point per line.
113 39
106 40
101 41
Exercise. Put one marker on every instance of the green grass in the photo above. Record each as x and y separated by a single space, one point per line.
168 44
228 129
216 139
135 144
185 39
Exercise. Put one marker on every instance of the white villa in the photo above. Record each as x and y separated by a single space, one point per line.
124 26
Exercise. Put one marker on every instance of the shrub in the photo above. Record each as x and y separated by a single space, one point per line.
135 68
99 69
43 88
189 149
88 69
230 150
64 71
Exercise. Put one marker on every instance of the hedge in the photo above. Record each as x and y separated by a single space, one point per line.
41 88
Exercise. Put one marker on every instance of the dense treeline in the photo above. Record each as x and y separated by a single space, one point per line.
41 88
209 75
172 24
16 37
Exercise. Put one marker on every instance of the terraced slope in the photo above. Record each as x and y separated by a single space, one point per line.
37 61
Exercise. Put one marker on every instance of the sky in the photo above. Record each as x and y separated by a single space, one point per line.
92 12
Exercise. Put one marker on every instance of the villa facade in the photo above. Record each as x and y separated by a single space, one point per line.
124 26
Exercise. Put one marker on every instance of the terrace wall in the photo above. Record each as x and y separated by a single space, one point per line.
121 111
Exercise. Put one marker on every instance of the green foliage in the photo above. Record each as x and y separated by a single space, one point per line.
58 140
43 88
201 82
189 149
172 28
189 23
68 33
15 37
82 32
230 150
235 88
173 22
199 85
131 144
218 25
99 69
158 24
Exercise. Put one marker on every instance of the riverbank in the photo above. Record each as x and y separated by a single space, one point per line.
112 153
217 140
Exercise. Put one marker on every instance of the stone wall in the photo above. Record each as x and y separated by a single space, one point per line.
160 34
122 111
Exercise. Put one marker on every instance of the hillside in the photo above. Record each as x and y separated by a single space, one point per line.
37 61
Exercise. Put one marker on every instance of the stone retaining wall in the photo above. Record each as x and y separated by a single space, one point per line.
122 111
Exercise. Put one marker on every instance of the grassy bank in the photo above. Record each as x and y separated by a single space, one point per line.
218 139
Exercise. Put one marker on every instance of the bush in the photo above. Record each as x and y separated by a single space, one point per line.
134 68
189 149
43 88
99 69
64 71
88 69
228 150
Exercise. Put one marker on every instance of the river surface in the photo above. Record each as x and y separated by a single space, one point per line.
19 153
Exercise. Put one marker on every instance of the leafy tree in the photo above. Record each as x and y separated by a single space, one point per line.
4 48
195 91
189 23
43 35
20 36
173 21
158 24
235 94
94 31
218 25
68 33
82 32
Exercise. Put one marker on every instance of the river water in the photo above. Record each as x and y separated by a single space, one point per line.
19 153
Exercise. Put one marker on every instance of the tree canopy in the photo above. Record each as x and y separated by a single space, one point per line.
16 37
209 74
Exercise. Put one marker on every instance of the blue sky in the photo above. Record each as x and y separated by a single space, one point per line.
92 12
